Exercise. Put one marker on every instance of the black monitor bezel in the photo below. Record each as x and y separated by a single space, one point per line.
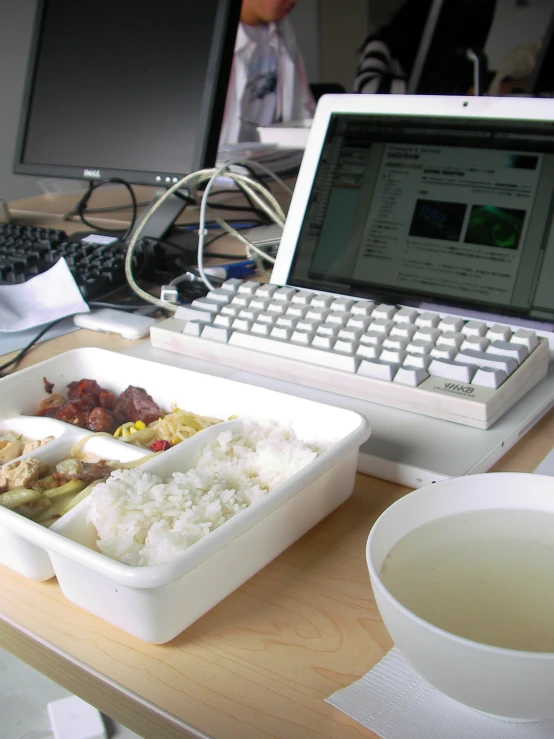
210 113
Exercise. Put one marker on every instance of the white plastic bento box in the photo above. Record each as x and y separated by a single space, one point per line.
155 603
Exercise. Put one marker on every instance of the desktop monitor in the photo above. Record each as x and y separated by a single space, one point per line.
541 81
450 58
131 90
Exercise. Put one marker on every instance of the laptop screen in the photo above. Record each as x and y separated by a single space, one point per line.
445 210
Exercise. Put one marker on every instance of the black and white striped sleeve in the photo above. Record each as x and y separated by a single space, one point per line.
378 71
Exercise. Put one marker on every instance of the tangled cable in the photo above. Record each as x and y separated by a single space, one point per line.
193 182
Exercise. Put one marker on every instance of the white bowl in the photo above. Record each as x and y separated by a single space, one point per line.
502 682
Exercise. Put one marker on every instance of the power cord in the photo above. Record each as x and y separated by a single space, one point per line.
259 194
81 206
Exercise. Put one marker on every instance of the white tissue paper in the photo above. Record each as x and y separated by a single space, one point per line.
396 703
51 295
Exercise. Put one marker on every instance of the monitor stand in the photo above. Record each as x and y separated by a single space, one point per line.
161 221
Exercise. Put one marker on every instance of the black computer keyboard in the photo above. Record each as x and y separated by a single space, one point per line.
27 251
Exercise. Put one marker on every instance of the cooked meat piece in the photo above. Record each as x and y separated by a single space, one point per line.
48 386
94 471
51 402
101 419
70 412
24 473
134 404
83 387
107 399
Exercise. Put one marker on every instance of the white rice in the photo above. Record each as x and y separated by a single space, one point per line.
143 520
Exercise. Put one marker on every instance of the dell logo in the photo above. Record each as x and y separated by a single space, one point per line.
454 387
93 174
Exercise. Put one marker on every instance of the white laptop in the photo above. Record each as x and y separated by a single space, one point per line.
382 173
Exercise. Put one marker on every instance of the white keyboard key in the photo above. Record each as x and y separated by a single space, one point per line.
384 311
451 323
499 333
382 325
287 321
427 333
302 297
350 334
263 329
324 342
405 330
406 315
259 303
250 313
219 295
417 361
207 304
328 329
231 285
356 321
284 294
248 288
443 352
242 324
372 337
410 376
278 308
454 339
489 377
476 343
266 291
230 310
267 317
395 342
519 352
428 320
452 370
344 346
362 308
484 359
194 328
321 301
307 324
223 321
297 309
241 299
281 332
302 337
394 356
475 328
369 351
188 313
420 347
318 314
378 369
341 319
216 333
526 337
342 305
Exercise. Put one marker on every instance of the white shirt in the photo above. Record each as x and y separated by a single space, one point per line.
268 82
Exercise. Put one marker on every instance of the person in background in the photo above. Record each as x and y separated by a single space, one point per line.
388 56
268 82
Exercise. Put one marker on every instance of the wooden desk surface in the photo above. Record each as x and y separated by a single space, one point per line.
259 664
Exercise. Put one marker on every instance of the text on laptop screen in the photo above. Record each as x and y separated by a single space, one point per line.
457 214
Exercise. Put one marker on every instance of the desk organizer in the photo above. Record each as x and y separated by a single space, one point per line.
157 602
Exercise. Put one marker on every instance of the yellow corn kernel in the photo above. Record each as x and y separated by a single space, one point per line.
140 425
175 440
118 431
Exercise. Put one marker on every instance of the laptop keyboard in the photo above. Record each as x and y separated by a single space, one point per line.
463 370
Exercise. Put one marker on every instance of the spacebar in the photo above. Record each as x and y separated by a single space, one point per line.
307 354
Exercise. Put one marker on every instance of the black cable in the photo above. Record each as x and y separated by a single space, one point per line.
21 353
106 209
81 206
